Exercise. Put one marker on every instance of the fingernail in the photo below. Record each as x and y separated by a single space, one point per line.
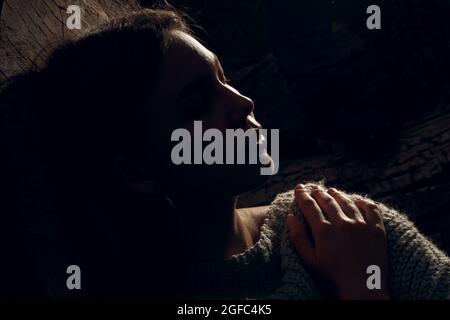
300 186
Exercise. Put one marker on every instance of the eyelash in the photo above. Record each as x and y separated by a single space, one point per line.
201 101
198 104
225 80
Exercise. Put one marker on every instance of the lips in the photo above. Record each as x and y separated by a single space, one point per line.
252 122
261 139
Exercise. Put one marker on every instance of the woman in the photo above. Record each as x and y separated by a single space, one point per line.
102 113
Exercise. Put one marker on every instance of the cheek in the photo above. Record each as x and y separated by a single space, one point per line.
160 135
219 118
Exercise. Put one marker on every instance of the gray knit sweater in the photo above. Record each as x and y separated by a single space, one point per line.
272 269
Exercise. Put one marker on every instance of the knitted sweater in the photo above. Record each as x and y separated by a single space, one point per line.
271 269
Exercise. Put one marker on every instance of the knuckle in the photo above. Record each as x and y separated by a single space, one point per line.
359 200
348 201
346 225
299 186
333 192
323 197
328 199
352 226
360 224
354 209
308 202
299 197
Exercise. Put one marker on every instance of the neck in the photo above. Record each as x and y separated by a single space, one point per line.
211 227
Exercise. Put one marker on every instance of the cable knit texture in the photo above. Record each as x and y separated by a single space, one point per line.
272 269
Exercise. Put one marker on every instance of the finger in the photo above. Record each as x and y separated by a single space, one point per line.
299 239
370 211
310 209
329 206
346 204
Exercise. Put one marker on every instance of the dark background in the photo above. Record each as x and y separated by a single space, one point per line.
364 110
315 70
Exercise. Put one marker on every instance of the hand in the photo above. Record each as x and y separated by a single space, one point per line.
347 237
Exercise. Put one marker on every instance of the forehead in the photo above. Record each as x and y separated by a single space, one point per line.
184 60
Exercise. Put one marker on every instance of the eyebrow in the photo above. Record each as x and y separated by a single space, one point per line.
216 61
198 83
218 65
193 86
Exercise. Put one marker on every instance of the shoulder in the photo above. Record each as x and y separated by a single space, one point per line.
254 218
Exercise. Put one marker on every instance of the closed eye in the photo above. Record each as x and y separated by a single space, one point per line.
226 80
220 72
197 105
197 102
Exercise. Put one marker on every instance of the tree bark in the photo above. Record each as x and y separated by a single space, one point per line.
420 163
414 179
30 29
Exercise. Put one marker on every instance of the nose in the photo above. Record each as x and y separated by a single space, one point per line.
241 106
252 121
247 105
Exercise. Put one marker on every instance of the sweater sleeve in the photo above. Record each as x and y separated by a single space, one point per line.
418 269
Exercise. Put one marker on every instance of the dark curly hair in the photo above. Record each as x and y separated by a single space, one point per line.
61 127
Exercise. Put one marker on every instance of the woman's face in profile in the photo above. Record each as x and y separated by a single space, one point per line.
192 86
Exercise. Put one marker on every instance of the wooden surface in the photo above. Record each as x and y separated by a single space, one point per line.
414 177
410 176
29 29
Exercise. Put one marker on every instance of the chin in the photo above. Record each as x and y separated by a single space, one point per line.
227 179
244 178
